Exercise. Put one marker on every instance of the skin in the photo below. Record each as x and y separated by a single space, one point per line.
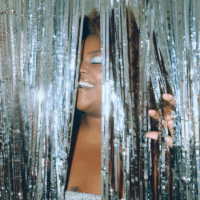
168 122
89 100
167 119
86 164
85 174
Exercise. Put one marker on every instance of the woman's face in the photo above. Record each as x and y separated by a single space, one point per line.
90 88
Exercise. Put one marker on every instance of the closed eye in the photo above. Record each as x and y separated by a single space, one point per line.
96 60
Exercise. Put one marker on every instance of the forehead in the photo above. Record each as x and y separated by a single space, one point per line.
92 43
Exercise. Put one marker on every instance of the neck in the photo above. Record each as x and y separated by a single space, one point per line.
90 129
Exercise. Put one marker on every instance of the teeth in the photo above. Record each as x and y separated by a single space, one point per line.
85 84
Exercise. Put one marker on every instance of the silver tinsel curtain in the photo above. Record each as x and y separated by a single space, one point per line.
40 42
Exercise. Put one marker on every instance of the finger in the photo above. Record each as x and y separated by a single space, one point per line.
154 135
169 98
168 113
170 141
170 125
164 123
154 114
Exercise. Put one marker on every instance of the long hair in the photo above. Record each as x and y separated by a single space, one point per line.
91 27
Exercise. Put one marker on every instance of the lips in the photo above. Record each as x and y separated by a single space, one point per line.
85 84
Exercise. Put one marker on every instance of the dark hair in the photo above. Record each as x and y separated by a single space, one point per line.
91 27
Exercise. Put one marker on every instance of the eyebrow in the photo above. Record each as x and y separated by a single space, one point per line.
94 52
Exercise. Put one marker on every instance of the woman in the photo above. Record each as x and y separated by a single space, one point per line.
84 173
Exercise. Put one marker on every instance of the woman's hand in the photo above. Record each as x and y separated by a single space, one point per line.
167 120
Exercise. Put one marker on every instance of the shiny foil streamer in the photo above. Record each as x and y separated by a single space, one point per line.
39 72
40 43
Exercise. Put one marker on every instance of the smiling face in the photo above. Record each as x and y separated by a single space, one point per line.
90 88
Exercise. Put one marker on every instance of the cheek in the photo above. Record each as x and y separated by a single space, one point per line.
98 83
93 97
97 75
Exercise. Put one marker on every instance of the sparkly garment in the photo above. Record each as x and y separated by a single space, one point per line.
69 195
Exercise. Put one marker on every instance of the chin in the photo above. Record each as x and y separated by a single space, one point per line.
94 111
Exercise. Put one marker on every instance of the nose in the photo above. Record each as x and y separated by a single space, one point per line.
83 69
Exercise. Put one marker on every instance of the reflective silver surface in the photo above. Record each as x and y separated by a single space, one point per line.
40 42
